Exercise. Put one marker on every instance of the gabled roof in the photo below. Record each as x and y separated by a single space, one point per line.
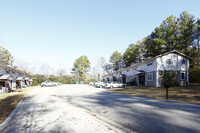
26 78
6 77
20 78
173 51
11 68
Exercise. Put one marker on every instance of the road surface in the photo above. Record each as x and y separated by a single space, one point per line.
137 113
82 108
42 111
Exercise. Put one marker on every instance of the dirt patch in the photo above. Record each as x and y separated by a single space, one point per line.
190 94
9 101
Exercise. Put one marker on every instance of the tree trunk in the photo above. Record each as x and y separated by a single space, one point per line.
198 48
167 93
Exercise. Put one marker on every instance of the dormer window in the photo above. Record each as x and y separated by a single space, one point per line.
169 61
149 63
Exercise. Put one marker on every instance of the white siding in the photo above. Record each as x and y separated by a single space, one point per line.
158 64
146 68
2 70
176 64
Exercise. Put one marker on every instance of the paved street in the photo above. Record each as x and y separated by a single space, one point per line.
65 109
42 111
140 114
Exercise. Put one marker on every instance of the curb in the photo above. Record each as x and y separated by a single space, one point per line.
109 123
13 113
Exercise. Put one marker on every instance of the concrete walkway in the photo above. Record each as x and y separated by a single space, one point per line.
43 111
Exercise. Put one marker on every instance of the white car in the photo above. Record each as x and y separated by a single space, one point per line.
46 83
114 85
91 83
58 83
100 84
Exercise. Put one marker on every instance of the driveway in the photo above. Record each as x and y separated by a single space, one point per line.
137 113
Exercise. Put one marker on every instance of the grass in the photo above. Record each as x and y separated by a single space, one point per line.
190 94
9 101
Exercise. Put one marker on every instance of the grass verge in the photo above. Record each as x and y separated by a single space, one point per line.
190 94
9 101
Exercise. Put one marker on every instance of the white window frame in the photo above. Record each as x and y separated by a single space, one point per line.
148 76
182 61
181 75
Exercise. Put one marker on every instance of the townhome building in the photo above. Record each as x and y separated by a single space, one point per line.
12 78
149 72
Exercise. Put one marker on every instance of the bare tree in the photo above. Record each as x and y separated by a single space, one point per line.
21 65
98 68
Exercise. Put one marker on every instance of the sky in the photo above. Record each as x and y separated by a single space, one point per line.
57 32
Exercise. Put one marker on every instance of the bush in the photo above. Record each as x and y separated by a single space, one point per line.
194 75
132 83
169 78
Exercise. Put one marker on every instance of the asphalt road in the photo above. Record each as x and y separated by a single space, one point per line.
42 111
140 114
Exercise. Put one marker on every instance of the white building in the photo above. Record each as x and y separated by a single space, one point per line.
13 78
148 73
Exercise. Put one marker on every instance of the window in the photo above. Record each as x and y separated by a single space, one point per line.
169 61
150 76
7 71
183 61
149 63
182 76
135 68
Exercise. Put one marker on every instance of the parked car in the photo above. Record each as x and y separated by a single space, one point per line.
58 83
92 83
114 85
100 84
46 83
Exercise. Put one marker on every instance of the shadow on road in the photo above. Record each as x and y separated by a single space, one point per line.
142 114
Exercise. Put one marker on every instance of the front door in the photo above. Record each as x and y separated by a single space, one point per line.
141 79
124 79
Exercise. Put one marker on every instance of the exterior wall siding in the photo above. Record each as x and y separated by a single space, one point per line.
160 63
7 85
153 82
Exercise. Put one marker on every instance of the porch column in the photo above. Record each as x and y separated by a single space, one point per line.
157 79
187 77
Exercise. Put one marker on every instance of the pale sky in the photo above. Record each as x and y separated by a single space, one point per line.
57 32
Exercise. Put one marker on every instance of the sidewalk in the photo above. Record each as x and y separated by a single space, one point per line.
42 111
